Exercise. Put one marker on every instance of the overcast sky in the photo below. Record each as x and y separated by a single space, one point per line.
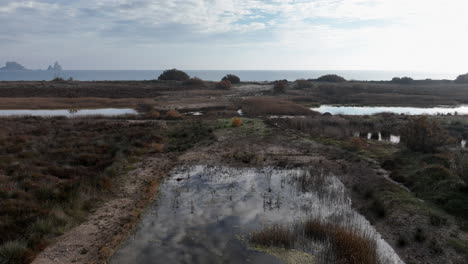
416 35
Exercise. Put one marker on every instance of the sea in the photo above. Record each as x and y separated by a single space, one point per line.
215 75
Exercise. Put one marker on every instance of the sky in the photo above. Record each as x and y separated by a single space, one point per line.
407 35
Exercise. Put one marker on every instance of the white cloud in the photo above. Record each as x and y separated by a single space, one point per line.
384 34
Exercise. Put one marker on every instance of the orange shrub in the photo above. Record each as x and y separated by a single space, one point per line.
153 115
236 122
157 147
173 114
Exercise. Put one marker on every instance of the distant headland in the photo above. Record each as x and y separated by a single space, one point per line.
15 66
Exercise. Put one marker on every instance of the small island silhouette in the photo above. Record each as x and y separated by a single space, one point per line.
15 66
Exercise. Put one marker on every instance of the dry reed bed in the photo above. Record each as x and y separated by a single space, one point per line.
270 106
71 103
332 231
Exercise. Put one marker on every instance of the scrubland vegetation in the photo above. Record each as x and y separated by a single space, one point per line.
52 171
55 171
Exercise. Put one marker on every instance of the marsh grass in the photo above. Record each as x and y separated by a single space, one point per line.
274 236
340 244
270 106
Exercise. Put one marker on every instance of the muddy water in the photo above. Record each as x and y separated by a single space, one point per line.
69 112
205 215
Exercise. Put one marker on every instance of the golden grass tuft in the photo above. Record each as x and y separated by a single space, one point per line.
274 236
236 122
347 244
153 114
173 114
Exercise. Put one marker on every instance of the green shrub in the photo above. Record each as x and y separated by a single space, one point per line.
434 179
424 135
232 78
331 78
173 75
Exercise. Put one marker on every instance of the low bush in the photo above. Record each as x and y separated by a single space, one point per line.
423 135
173 75
331 78
280 86
224 85
236 122
152 115
232 78
173 115
302 84
185 135
434 179
197 82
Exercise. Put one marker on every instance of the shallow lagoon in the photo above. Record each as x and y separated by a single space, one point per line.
69 112
204 214
371 110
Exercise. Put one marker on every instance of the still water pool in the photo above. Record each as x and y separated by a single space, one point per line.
370 110
69 112
204 214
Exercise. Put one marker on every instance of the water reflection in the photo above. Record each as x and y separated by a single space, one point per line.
395 139
69 112
370 110
203 214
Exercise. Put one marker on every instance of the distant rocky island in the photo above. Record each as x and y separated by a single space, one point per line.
15 66
56 67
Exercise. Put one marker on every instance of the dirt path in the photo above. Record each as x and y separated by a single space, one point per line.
95 240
